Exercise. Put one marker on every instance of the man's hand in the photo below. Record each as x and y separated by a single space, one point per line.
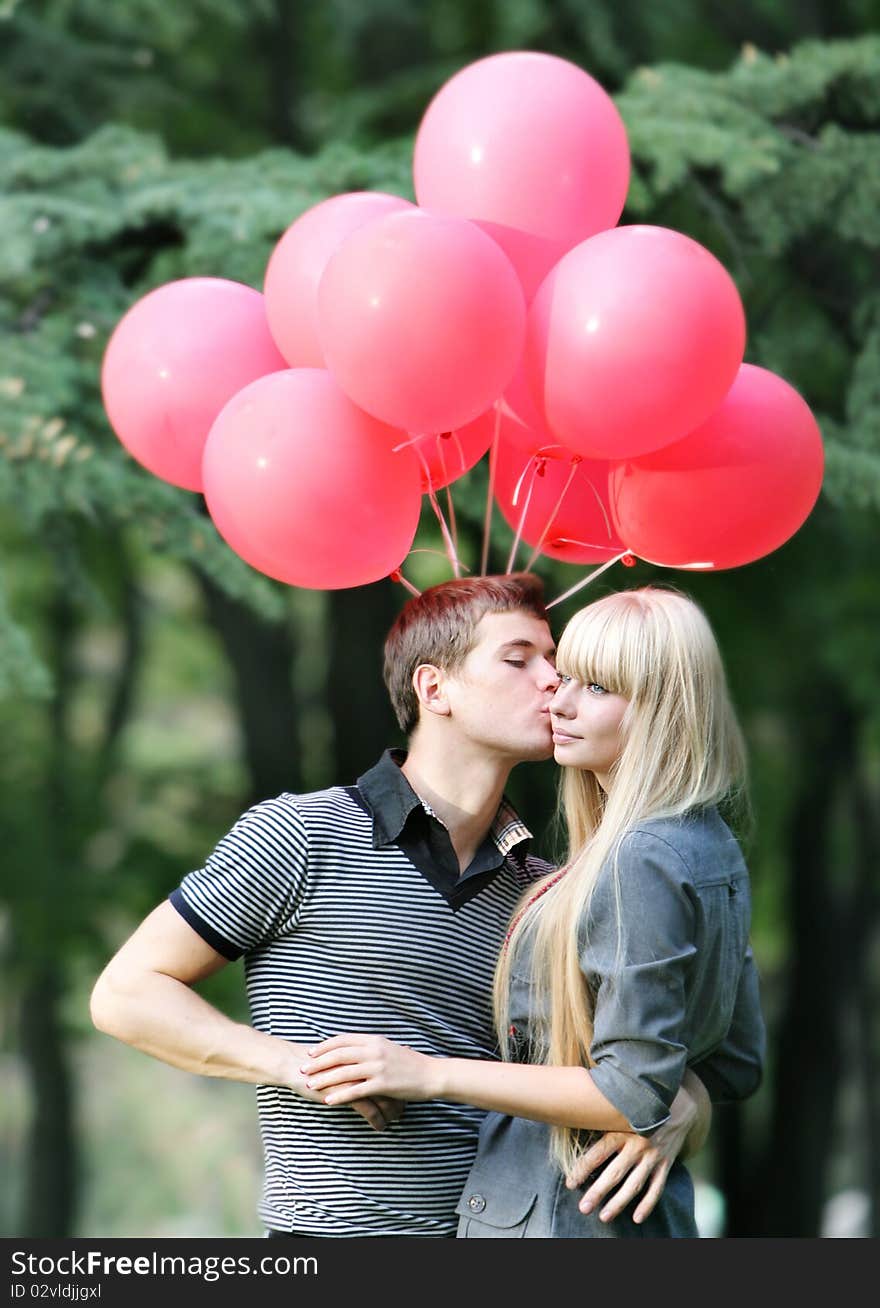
379 1111
640 1161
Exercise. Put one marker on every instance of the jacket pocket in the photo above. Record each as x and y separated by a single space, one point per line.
499 1216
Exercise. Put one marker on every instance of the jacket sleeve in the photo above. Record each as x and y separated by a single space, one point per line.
734 1070
637 949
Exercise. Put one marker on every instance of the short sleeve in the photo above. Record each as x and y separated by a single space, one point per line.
733 1070
638 978
249 889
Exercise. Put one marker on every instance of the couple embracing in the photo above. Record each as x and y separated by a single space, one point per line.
449 1036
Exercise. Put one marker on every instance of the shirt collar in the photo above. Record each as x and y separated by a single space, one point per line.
392 800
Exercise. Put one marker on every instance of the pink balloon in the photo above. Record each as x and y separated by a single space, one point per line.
530 143
297 264
450 454
305 487
531 256
421 320
521 423
172 363
634 338
561 503
733 490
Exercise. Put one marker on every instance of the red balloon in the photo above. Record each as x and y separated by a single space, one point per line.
298 262
172 363
733 490
421 320
567 499
450 454
521 422
305 487
634 338
531 147
531 256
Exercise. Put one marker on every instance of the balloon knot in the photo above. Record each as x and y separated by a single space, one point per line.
629 560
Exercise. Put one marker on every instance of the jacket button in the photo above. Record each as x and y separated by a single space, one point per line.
476 1203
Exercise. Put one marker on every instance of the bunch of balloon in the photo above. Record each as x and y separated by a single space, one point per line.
395 344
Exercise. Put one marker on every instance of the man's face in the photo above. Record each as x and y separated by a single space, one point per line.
499 698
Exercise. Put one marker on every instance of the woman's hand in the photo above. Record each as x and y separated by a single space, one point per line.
637 1161
350 1067
378 1110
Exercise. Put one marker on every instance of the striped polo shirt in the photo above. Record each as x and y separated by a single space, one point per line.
350 912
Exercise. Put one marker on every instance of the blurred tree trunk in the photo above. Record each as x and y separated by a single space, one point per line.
51 1180
260 654
363 721
50 1159
57 896
863 933
785 1194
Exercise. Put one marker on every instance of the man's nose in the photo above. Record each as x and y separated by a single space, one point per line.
549 678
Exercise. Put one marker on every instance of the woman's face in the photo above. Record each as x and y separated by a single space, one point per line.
587 723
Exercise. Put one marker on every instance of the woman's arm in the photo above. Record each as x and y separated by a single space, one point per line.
349 1067
631 1164
639 1058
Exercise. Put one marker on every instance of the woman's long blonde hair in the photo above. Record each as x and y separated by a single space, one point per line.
681 748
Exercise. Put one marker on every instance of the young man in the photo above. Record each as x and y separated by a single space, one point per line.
379 907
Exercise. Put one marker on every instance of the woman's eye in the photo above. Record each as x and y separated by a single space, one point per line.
564 678
515 663
595 689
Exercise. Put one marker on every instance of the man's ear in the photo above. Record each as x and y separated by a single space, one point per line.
429 684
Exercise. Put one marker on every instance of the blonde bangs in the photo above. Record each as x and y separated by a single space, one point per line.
604 645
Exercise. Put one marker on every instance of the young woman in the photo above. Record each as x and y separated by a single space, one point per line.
628 965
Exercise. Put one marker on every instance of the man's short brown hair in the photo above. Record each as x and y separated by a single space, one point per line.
438 627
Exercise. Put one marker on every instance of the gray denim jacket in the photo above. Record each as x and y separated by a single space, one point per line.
680 989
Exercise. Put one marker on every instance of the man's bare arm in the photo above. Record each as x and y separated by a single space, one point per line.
144 998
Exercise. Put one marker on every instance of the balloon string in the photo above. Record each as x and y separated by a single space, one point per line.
426 472
545 449
530 465
601 506
450 507
450 543
493 456
576 460
459 447
447 539
585 544
537 454
404 445
535 468
453 525
441 554
397 575
586 580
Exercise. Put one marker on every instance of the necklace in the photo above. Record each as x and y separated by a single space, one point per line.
548 885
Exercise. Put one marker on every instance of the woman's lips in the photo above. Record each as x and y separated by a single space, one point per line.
562 737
